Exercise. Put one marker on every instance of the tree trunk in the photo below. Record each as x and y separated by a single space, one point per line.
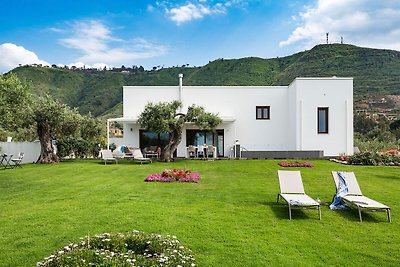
175 137
47 151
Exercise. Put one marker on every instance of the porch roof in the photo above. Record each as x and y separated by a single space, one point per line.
225 119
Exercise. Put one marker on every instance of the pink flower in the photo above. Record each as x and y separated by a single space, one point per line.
295 164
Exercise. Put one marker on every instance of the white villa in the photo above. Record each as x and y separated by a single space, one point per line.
310 118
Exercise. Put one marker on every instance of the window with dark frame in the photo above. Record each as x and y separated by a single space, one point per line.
262 112
323 120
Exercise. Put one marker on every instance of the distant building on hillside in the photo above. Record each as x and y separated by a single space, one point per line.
311 117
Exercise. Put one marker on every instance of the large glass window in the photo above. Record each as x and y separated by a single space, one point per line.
148 139
262 112
323 120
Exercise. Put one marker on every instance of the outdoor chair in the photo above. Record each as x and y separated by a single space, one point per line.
354 196
6 162
17 161
107 155
151 151
191 151
138 156
292 191
210 151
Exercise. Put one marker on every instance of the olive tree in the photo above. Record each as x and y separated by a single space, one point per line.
53 119
15 103
164 117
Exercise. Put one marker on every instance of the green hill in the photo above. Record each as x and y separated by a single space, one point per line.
375 72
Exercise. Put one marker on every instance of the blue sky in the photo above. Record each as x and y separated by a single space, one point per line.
172 33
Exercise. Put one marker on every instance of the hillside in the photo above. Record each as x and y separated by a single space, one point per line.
375 72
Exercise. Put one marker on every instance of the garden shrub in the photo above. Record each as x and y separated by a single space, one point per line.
78 147
129 249
374 158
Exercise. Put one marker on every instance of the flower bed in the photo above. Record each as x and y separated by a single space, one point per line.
174 175
295 164
130 249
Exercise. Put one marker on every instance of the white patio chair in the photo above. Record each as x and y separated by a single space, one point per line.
191 151
210 151
17 161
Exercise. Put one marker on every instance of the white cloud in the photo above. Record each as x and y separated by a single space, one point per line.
97 44
192 11
361 22
12 55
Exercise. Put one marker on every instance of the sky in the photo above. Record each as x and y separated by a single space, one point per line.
165 33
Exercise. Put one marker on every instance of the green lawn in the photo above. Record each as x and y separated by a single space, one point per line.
230 218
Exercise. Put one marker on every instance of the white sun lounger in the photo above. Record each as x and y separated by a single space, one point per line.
138 156
106 155
292 191
354 197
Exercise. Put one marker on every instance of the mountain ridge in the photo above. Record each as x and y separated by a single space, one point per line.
375 72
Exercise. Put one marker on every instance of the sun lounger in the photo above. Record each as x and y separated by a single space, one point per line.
138 156
292 191
354 196
107 155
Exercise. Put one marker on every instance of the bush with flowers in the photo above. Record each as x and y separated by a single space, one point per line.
129 249
295 164
390 158
174 175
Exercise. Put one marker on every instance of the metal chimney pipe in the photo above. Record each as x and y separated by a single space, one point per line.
180 86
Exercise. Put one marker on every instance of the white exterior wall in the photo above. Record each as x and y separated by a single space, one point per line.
240 103
337 95
135 98
293 113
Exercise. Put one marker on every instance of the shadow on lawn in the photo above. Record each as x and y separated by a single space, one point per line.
281 211
101 162
352 216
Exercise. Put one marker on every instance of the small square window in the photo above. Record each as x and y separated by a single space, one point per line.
262 112
323 120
